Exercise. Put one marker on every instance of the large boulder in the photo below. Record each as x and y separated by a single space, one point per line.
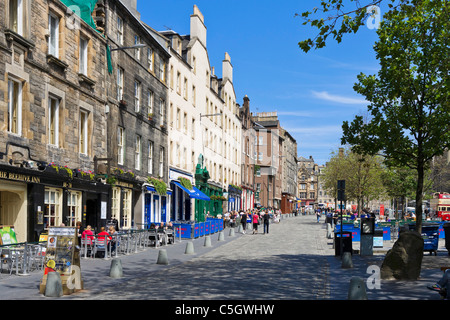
404 260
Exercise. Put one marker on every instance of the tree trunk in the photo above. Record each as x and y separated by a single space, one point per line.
419 195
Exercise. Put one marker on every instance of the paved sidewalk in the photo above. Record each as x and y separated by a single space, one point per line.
295 261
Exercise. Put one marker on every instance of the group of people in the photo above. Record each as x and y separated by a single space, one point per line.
88 235
255 217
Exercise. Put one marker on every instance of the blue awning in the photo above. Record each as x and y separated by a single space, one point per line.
152 189
194 193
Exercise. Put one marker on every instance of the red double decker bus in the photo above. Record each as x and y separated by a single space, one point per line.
440 204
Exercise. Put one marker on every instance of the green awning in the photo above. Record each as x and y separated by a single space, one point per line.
83 9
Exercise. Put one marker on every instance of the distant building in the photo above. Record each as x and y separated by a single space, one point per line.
268 166
289 173
308 174
248 156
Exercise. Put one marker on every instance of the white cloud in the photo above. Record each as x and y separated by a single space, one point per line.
324 95
295 113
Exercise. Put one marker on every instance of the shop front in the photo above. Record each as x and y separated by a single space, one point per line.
212 205
34 199
156 206
234 198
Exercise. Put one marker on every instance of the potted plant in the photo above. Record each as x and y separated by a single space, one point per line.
150 116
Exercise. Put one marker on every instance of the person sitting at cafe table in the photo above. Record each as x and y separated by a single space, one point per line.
88 235
112 243
102 234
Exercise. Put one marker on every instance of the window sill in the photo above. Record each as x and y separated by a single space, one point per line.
14 36
51 59
83 78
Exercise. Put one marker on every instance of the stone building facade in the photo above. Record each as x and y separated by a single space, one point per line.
289 169
204 127
248 167
52 110
268 153
137 122
307 177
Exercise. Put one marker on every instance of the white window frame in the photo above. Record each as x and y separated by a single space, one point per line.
120 75
53 116
84 116
137 96
15 106
119 30
137 153
161 111
74 208
84 44
161 162
115 204
162 71
151 59
127 197
120 145
150 98
137 52
150 157
16 15
53 34
52 207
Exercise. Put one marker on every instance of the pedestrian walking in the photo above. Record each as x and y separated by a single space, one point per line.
318 215
266 219
243 221
255 219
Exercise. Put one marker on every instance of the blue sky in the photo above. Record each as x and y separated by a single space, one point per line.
312 92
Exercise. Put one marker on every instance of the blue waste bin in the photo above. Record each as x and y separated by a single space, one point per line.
430 235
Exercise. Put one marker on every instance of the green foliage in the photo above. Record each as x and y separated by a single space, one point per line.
160 185
185 183
332 18
362 175
409 98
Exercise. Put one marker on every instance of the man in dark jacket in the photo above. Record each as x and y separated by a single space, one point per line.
266 218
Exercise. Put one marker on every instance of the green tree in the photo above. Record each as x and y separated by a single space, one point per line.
409 98
362 175
336 18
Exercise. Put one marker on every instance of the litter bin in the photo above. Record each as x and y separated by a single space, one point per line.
346 242
430 235
446 227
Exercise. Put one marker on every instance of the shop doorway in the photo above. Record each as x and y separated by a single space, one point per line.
13 209
92 214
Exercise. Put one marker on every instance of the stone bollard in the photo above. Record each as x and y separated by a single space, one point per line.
357 289
116 271
53 287
231 232
162 257
207 241
329 231
221 236
189 248
347 262
240 228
